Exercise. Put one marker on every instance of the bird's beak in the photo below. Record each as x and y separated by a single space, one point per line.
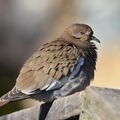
95 39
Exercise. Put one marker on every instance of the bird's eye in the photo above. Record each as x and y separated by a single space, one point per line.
82 32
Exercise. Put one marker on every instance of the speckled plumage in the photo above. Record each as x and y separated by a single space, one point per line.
51 61
57 68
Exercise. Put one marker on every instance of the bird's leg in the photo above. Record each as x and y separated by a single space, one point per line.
44 110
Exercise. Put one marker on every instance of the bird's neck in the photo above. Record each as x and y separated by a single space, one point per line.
91 55
79 44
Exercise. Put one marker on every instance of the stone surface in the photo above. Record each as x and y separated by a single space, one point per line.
92 104
26 114
66 107
102 103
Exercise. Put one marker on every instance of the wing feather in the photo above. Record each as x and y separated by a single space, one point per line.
50 63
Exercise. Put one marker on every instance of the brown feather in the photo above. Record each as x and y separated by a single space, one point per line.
52 60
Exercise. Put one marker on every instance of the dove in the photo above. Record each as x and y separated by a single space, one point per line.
58 68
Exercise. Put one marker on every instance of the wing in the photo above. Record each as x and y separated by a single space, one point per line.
49 67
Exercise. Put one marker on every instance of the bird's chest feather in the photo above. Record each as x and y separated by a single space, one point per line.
83 70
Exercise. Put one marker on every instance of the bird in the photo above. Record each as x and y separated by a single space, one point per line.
58 68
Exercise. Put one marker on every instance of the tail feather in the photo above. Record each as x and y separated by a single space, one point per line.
3 102
12 95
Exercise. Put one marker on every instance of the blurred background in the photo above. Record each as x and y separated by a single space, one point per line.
26 24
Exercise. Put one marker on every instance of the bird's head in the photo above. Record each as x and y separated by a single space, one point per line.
80 34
